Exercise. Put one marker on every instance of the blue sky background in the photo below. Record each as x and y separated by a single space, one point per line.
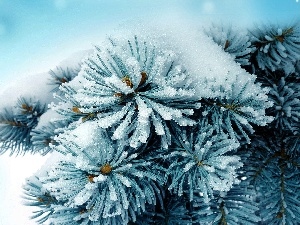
35 35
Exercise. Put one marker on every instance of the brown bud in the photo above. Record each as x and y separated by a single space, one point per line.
106 169
280 38
91 178
118 95
127 81
227 43
27 108
82 211
75 109
144 78
40 199
63 80
200 163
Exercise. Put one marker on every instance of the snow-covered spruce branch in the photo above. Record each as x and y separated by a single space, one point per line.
131 85
134 98
237 104
54 212
234 41
36 195
43 137
200 162
106 177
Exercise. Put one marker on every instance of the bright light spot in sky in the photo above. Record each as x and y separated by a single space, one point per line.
2 29
208 7
60 4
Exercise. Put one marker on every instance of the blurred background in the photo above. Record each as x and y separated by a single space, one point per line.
36 35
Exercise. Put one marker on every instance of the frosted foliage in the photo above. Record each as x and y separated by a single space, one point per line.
132 99
275 174
238 101
286 109
99 176
232 40
131 85
202 161
221 82
60 76
276 46
134 85
232 207
284 192
35 195
16 123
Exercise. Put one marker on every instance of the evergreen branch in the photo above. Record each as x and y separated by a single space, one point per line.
43 138
286 107
103 173
60 76
16 125
233 41
276 182
34 195
237 206
203 163
243 105
130 91
276 47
